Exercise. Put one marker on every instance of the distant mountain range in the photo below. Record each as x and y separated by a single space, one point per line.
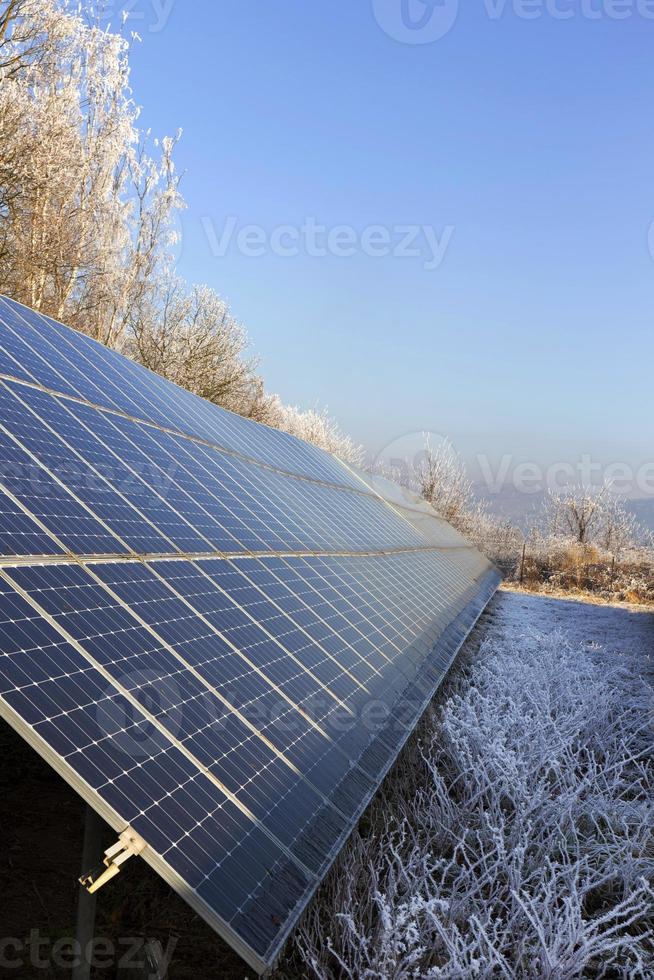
521 509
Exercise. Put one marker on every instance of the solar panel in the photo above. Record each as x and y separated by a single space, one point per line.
219 635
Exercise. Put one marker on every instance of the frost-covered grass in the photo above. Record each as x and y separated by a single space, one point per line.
515 837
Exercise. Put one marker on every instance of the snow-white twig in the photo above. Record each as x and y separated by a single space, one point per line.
516 837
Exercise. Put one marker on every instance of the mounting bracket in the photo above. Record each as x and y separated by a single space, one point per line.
128 845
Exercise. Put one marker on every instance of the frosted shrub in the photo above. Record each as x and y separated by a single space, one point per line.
315 426
514 839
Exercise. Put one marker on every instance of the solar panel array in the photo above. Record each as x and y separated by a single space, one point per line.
219 635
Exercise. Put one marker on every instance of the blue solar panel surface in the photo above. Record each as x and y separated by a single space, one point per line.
220 635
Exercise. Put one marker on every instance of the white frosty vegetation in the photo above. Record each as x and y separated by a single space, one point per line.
316 426
88 205
438 474
514 838
588 540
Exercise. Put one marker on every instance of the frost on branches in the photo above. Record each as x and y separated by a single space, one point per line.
438 474
85 209
588 540
317 427
515 837
88 202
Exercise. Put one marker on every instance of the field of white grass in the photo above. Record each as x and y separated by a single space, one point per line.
516 836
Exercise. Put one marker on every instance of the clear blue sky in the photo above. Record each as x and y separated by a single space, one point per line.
534 139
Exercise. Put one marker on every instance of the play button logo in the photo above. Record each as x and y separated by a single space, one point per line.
416 21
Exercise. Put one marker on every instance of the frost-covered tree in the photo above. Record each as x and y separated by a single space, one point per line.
443 482
10 18
588 539
620 530
191 338
576 513
438 474
591 516
87 202
317 427
85 206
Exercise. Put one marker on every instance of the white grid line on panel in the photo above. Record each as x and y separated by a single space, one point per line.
346 645
344 673
357 617
282 693
412 612
317 516
360 612
172 430
278 690
409 615
272 684
188 704
327 601
367 492
377 585
127 466
336 848
298 662
376 495
287 653
404 616
395 663
131 367
171 588
250 663
156 724
260 498
118 824
181 435
96 473
209 465
122 461
384 772
205 683
132 507
117 537
66 553
67 491
188 472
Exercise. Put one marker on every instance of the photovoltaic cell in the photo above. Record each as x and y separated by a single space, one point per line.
220 635
77 365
